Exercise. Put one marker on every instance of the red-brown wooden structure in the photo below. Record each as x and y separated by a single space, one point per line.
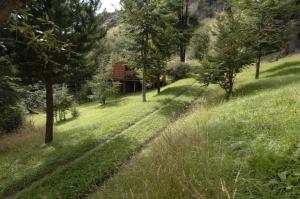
128 78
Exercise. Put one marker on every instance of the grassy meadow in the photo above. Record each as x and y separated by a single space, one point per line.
97 140
248 147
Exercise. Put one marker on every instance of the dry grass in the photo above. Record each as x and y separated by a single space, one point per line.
27 136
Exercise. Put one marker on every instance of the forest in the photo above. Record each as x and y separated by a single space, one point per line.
149 99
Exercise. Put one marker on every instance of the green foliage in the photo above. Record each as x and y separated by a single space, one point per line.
231 54
185 24
269 22
11 118
74 111
33 98
178 70
199 44
82 96
62 102
102 87
11 113
270 26
150 25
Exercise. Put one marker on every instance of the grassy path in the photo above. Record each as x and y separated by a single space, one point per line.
77 179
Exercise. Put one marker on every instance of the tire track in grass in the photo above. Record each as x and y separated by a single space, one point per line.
75 179
59 167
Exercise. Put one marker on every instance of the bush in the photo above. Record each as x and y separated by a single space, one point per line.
82 96
11 118
62 102
34 98
178 70
199 44
10 112
74 111
102 87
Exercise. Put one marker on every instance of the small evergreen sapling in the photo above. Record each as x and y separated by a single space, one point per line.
269 22
102 87
74 111
62 102
231 53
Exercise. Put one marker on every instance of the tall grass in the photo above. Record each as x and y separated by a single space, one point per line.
26 136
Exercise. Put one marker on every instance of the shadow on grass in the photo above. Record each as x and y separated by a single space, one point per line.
286 71
179 90
284 65
62 122
103 162
174 108
279 77
112 103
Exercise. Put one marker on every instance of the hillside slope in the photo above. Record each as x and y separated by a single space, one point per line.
246 148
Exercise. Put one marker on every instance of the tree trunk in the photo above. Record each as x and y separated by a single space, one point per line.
158 84
145 55
182 53
49 105
144 89
258 61
229 91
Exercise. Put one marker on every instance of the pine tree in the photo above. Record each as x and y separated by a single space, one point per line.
140 18
231 52
269 22
46 44
184 27
102 87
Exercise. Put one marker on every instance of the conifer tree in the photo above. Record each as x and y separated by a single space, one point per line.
269 22
231 53
140 18
53 40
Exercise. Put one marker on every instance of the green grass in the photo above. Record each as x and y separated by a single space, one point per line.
30 161
248 147
80 176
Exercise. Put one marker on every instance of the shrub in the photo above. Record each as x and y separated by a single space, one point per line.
74 111
102 87
10 112
62 102
28 135
178 70
199 44
82 96
34 98
11 118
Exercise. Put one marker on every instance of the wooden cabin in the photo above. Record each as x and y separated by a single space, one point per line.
128 78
